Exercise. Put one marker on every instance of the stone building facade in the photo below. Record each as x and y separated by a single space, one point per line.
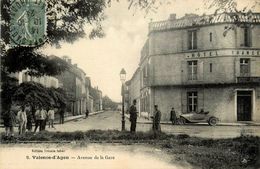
47 81
209 62
73 81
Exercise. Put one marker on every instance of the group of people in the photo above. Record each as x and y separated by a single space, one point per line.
156 118
25 118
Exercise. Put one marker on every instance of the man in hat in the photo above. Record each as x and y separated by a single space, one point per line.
133 116
156 119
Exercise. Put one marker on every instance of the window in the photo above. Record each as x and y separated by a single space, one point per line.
210 67
244 67
192 101
145 75
192 39
210 36
192 70
247 36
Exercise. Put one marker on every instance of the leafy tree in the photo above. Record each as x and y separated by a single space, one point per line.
35 93
108 103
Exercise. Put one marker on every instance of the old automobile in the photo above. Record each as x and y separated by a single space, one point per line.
198 117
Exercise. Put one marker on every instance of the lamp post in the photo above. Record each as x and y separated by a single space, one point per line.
123 78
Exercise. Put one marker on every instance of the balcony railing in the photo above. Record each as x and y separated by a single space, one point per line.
248 79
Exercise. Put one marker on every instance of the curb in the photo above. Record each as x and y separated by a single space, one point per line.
199 124
204 124
68 120
79 116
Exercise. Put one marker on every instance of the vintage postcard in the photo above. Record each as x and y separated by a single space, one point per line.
130 84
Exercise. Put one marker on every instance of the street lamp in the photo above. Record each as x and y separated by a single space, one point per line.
123 78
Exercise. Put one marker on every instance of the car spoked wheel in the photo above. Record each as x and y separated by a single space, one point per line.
212 121
182 120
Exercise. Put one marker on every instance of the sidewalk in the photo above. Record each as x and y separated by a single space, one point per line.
143 120
71 118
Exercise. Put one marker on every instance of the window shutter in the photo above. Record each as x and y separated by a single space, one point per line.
195 40
255 68
200 70
184 101
237 67
201 100
184 70
189 40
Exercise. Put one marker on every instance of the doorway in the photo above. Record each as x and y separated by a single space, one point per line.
244 105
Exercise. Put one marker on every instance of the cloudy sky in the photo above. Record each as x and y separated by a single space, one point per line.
126 32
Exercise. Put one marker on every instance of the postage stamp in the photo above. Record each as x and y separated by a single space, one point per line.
27 22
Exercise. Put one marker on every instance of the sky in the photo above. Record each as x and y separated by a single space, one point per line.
126 32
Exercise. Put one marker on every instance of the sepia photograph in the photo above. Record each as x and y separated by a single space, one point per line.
130 84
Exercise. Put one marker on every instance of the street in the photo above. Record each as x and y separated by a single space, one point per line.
112 121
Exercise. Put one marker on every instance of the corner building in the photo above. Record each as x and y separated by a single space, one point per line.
209 62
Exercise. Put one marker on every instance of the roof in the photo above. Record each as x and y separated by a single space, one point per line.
196 20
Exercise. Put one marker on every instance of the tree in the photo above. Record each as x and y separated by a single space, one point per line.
35 93
108 103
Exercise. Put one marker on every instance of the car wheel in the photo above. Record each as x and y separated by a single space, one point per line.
212 121
182 120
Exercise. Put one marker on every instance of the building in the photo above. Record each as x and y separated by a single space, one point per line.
47 81
97 98
209 62
73 81
133 92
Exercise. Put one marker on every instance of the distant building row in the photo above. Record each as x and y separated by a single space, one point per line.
77 86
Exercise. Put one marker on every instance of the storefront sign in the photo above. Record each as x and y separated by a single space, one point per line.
224 52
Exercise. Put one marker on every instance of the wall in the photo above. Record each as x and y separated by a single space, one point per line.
175 41
134 89
221 104
173 69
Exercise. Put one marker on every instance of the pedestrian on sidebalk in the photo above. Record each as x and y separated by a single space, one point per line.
62 112
87 112
9 119
29 115
45 117
22 120
156 119
173 116
51 117
133 116
39 117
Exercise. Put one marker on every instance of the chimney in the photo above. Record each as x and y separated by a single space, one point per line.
69 60
172 17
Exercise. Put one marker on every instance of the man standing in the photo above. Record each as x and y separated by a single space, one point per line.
62 112
133 116
173 116
22 119
51 117
87 112
156 119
